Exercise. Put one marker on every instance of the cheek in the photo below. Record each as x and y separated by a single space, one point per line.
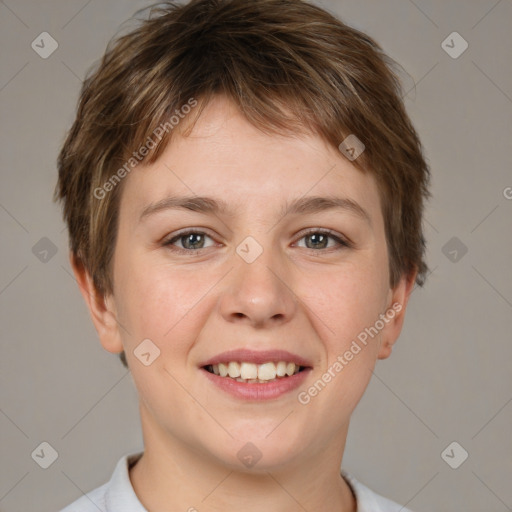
348 303
155 301
345 300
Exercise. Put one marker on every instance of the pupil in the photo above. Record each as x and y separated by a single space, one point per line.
316 235
190 239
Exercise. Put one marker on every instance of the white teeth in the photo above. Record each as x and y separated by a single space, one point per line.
290 368
233 370
223 370
248 371
267 371
252 373
281 369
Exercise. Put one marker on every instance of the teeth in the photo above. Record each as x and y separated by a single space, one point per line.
255 373
248 371
281 369
267 371
223 370
234 370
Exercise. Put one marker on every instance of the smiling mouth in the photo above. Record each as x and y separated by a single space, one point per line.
251 373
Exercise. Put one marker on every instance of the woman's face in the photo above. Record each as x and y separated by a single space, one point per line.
272 279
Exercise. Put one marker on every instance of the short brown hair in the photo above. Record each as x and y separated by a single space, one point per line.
290 67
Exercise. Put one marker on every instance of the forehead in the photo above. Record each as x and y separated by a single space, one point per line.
226 157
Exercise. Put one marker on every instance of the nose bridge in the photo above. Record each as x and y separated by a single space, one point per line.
258 291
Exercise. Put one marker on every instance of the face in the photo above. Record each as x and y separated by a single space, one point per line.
257 273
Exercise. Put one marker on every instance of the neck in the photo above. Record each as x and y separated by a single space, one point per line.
172 475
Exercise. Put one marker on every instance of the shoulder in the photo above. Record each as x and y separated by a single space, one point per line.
370 501
117 494
93 501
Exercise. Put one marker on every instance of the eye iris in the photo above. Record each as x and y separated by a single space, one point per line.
315 236
190 238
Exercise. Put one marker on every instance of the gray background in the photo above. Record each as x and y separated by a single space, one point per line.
448 378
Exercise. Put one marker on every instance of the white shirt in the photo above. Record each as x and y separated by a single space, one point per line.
118 495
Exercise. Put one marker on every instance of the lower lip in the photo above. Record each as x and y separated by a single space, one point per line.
258 391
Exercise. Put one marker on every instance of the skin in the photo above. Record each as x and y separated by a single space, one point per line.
301 294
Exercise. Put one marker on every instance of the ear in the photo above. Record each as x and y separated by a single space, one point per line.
101 308
399 297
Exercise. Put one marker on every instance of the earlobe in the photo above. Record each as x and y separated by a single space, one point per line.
101 308
395 312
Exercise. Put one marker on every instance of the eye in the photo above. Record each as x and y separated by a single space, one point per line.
190 241
319 239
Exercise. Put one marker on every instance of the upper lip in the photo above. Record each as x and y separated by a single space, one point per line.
256 357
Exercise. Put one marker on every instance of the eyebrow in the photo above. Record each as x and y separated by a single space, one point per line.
300 206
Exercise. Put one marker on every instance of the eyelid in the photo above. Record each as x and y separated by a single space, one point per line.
186 231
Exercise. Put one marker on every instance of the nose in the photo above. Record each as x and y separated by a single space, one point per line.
259 294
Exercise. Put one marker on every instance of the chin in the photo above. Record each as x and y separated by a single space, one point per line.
254 453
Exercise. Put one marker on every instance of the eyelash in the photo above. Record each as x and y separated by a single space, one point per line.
343 243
